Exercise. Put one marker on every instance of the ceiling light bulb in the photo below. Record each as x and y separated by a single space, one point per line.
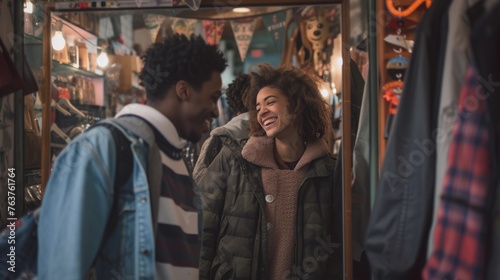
28 7
58 41
102 60
241 10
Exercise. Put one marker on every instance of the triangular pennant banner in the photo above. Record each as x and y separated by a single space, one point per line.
275 24
243 32
153 23
184 26
213 31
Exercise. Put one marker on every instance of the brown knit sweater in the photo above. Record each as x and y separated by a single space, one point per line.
283 186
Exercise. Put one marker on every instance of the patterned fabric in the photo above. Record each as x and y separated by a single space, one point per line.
177 246
177 242
462 224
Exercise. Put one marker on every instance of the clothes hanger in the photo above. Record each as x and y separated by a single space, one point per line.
55 128
67 104
60 108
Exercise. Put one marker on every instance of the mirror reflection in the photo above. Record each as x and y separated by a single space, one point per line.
244 100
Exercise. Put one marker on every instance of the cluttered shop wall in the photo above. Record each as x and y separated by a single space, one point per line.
20 141
246 39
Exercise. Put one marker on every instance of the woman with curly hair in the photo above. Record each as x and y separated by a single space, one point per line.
270 209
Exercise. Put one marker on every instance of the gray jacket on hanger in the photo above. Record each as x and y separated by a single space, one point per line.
398 230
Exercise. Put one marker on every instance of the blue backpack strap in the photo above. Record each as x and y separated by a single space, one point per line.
140 128
124 166
143 129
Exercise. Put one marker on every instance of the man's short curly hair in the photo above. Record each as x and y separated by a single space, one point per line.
312 112
235 92
179 58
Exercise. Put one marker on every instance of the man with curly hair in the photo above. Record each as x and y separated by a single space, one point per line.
135 230
237 128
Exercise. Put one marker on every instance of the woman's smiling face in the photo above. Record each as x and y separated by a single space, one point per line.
273 115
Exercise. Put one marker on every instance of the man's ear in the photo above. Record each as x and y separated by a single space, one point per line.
182 89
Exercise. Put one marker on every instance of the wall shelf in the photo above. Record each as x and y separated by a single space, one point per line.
67 70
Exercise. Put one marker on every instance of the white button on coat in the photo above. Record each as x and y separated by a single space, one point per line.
269 198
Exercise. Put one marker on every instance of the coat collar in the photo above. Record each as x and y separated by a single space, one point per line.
259 151
237 128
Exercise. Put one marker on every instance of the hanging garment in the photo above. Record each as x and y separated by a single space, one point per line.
360 193
457 59
460 238
398 230
485 41
493 269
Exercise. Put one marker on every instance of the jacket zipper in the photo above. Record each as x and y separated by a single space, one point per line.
297 253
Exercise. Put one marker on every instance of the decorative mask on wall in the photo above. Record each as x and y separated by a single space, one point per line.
311 42
317 32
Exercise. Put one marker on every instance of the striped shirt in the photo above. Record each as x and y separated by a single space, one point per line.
177 245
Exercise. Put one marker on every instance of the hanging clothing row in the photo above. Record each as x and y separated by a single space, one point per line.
437 206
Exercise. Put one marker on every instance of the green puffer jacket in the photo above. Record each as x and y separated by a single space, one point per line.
234 229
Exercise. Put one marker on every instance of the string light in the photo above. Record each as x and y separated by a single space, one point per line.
325 89
28 7
58 41
102 59
324 92
339 61
241 10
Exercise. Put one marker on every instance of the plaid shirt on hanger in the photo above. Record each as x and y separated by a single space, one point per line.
460 235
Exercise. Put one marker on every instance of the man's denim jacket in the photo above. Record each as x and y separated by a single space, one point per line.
75 210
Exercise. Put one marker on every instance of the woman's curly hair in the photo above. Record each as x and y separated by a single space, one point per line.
179 58
312 112
235 92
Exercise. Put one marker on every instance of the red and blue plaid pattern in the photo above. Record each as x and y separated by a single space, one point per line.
460 234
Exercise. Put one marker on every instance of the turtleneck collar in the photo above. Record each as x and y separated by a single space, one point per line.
259 151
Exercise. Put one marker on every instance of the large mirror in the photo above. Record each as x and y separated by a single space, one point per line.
92 61
96 55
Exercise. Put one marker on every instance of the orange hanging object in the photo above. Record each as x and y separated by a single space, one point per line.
392 91
408 11
393 84
393 101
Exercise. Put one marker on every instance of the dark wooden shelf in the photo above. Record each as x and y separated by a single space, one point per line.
62 69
